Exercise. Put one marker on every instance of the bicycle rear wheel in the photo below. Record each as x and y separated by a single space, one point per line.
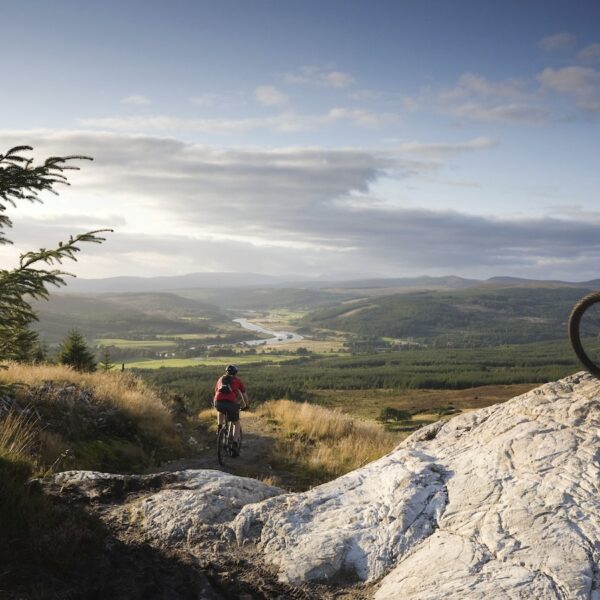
222 445
575 331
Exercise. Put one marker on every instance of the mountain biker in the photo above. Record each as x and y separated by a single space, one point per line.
229 390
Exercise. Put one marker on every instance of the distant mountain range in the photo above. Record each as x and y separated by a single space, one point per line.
255 280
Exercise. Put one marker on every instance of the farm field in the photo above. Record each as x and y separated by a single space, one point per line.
215 361
122 343
314 346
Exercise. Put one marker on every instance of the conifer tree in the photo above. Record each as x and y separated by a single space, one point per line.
75 353
21 180
105 363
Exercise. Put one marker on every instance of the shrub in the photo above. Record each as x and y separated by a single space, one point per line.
393 414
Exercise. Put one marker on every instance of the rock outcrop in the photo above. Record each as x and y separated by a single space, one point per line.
503 502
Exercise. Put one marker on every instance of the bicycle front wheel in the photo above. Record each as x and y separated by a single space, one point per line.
576 330
222 446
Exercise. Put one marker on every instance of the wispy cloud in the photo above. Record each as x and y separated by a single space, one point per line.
443 151
268 95
286 122
557 41
137 100
590 53
321 77
211 99
475 97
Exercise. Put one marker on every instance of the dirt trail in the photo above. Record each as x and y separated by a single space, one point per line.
258 448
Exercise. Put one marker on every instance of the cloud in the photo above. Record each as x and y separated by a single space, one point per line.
557 41
286 210
210 99
362 117
476 98
503 113
441 152
583 83
137 100
320 77
590 53
285 122
470 84
267 95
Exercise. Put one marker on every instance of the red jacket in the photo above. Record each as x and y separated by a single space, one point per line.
236 384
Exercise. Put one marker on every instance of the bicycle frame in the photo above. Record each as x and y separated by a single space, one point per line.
225 442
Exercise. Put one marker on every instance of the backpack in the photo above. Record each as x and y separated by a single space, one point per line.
226 382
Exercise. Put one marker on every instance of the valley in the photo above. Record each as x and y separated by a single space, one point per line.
361 346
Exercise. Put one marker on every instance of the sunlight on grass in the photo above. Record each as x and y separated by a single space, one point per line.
17 436
323 442
124 391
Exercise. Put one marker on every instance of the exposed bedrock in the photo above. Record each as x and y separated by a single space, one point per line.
500 503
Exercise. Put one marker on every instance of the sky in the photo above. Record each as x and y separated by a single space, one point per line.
331 139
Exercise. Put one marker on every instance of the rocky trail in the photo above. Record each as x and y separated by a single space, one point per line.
502 502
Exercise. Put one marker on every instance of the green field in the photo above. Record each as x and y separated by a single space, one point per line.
186 336
121 343
215 361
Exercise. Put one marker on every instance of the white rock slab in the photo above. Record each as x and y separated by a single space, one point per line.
204 497
502 503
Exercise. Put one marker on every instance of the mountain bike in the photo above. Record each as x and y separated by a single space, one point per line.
225 446
575 331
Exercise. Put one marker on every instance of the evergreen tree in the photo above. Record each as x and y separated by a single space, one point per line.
75 353
106 363
21 180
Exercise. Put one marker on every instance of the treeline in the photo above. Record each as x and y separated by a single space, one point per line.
418 368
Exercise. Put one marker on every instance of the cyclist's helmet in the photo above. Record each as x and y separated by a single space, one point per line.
231 369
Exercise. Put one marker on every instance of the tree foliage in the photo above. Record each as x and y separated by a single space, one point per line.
75 353
21 180
106 364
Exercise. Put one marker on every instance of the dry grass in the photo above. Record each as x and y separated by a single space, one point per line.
326 443
17 436
126 392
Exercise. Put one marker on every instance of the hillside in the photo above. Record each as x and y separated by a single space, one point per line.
478 316
115 315
497 503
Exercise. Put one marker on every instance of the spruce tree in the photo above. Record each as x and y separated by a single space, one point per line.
74 352
21 180
105 363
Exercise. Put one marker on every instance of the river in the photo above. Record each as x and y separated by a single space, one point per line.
279 337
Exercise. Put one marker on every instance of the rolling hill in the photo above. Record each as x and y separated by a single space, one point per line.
472 317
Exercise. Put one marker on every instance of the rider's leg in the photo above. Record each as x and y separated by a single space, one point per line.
220 420
237 429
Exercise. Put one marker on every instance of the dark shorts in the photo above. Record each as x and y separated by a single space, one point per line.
231 409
